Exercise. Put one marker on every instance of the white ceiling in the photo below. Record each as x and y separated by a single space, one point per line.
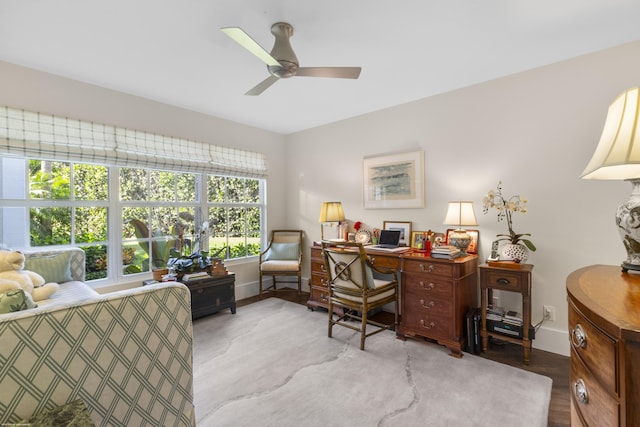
172 51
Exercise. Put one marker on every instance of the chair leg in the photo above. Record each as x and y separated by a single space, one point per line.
330 318
299 285
260 289
363 334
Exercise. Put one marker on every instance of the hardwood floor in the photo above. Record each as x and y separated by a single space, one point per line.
544 363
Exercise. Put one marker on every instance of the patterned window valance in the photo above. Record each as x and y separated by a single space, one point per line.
49 137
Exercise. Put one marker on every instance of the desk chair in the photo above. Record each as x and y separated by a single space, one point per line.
353 287
283 257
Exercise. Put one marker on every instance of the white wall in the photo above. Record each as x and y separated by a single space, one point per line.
534 131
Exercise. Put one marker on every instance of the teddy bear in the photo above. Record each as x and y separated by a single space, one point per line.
13 276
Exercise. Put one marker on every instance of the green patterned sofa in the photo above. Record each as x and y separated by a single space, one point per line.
127 354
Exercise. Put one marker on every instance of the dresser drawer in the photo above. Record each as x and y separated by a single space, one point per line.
427 325
596 350
425 304
504 280
319 280
598 408
428 267
427 285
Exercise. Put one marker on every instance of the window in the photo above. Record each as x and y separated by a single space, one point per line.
128 220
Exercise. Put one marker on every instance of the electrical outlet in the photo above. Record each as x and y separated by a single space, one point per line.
549 313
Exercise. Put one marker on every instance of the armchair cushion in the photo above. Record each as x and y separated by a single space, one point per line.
283 251
53 267
279 266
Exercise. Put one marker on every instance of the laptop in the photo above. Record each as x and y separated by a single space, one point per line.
389 239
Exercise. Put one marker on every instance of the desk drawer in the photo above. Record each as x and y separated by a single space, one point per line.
427 325
428 267
320 295
505 280
384 261
427 285
425 304
596 350
319 280
318 267
599 408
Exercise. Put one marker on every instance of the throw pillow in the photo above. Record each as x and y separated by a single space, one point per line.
72 414
15 300
53 267
283 251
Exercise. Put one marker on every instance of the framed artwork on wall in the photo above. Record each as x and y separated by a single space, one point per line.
473 246
403 226
394 181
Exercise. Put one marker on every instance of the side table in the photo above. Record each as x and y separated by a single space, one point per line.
211 294
512 280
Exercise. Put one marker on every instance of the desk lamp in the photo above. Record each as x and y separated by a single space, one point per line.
459 214
330 212
617 156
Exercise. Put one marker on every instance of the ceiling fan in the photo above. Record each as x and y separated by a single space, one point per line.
282 62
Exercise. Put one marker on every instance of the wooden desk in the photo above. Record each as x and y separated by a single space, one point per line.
435 294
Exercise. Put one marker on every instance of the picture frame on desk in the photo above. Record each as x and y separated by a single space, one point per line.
403 226
473 246
418 240
394 181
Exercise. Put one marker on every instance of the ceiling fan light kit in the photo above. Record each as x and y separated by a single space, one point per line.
282 61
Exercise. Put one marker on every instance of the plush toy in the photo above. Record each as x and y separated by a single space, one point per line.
13 276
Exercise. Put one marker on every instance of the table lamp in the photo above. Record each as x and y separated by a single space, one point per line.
460 214
330 212
617 156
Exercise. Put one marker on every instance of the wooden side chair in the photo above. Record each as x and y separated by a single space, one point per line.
282 257
354 288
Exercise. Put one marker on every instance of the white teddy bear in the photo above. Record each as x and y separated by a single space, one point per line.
13 276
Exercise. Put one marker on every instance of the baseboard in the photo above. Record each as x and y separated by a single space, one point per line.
552 340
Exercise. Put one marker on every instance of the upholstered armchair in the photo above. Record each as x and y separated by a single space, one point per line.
281 258
356 287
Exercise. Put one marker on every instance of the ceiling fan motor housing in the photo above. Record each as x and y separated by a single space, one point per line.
283 52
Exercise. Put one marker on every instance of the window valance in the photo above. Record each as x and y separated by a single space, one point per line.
49 137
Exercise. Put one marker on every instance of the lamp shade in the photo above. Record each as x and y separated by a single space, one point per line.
331 212
460 213
617 155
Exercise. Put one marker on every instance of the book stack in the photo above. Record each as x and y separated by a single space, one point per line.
495 313
445 252
512 318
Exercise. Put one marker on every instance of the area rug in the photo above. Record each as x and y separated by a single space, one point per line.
272 364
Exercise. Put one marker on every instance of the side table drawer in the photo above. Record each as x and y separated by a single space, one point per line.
505 280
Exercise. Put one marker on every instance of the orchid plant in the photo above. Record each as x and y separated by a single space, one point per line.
506 207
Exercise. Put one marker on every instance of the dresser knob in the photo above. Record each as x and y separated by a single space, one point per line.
580 391
426 270
426 325
578 337
429 305
428 287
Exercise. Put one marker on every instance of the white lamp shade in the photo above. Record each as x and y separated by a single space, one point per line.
617 155
460 213
331 212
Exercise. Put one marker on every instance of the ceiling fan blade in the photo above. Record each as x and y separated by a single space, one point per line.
337 72
262 86
244 40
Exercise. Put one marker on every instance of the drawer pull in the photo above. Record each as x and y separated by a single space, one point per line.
580 391
428 287
430 325
429 305
322 267
578 337
428 269
372 260
503 281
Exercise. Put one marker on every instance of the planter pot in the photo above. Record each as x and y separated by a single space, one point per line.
158 273
514 252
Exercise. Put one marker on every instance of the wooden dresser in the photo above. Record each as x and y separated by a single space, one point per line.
435 297
604 329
